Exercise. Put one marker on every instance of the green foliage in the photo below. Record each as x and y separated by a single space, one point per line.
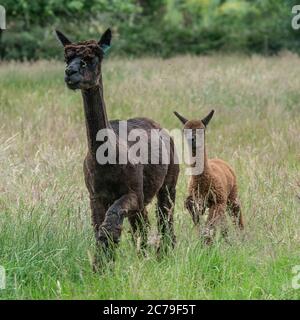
160 27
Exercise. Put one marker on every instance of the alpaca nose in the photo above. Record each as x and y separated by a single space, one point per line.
71 70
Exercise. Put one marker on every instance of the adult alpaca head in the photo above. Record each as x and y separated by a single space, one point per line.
83 70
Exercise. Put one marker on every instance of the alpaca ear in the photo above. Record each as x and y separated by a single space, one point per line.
180 117
104 42
62 38
206 120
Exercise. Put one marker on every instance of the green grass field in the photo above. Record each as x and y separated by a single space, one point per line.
46 238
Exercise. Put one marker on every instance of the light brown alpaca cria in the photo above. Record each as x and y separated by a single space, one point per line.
215 188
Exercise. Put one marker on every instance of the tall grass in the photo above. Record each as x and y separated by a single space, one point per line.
46 238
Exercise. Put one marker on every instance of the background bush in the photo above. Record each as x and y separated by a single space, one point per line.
156 27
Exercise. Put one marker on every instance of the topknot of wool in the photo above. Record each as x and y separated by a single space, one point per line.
85 49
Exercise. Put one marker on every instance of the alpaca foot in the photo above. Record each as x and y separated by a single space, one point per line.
141 247
166 244
103 262
207 236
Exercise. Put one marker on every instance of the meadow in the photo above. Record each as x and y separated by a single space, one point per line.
46 238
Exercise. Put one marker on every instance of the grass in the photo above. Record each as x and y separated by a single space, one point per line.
46 237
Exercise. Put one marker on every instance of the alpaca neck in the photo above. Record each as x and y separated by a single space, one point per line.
206 165
95 114
205 171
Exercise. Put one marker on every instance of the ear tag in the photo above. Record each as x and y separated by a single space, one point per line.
105 48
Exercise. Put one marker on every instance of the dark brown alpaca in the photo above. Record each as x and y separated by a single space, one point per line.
215 188
117 190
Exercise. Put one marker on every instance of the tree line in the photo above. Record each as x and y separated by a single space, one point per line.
157 27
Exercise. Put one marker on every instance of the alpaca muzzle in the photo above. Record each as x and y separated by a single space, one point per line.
72 74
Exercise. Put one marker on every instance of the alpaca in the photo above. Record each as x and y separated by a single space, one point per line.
215 188
117 190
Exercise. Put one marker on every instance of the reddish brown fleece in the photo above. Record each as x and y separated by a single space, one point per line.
215 188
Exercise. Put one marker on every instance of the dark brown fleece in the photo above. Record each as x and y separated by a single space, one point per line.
85 49
118 191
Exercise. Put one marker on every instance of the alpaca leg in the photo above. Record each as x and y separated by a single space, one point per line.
98 215
111 228
195 209
216 217
235 208
237 213
190 205
165 212
140 224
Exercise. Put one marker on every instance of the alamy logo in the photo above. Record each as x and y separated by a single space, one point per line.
2 278
138 146
296 18
2 18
